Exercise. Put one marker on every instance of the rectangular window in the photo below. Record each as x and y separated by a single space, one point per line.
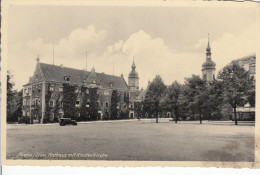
28 102
24 102
52 88
106 104
36 103
60 104
252 69
60 89
77 103
98 103
51 103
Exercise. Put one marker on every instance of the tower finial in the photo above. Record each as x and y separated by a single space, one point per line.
208 48
133 65
86 61
208 39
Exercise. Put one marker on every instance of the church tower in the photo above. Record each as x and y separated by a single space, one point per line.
133 79
208 67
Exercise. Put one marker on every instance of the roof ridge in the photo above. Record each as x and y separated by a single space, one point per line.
64 67
245 57
81 70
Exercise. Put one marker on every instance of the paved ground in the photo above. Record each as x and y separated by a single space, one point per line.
134 140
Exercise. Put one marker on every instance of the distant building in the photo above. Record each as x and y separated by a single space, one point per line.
246 112
50 78
248 63
209 66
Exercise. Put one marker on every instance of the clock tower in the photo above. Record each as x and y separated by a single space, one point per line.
209 66
133 79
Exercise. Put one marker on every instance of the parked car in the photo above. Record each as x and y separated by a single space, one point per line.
67 121
24 119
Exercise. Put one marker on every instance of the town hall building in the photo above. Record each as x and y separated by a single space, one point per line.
49 79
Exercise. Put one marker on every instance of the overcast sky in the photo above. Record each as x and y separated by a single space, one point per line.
169 41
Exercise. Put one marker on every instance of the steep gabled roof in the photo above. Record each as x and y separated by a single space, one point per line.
57 73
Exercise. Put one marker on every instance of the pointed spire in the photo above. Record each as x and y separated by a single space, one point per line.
133 65
38 58
93 69
208 48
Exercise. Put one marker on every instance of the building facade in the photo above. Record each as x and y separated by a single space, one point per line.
247 112
209 66
248 63
43 95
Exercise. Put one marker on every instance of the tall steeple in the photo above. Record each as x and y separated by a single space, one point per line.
133 78
208 67
133 65
208 54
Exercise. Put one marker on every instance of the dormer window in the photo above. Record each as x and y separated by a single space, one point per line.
94 81
67 78
110 84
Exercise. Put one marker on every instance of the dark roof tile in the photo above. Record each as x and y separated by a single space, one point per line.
57 74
